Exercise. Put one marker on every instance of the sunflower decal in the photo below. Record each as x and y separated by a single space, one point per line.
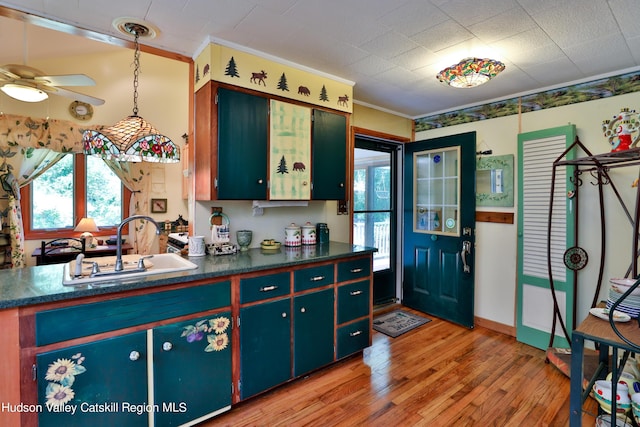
61 375
215 331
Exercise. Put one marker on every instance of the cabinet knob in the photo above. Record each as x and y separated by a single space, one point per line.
304 183
260 181
341 185
134 355
166 346
284 314
303 310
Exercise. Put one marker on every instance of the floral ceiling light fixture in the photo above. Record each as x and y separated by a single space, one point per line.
470 72
132 139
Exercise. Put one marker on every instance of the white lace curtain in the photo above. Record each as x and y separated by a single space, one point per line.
28 147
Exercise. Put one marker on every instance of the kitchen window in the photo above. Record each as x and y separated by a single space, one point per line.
76 186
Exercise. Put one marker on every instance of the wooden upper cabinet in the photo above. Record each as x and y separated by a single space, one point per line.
245 152
205 146
329 152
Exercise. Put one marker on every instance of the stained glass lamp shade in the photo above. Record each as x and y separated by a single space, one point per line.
132 139
471 72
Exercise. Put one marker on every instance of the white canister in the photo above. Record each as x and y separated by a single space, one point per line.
196 246
292 235
308 234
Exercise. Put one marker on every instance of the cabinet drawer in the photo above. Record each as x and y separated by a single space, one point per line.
314 277
264 287
66 323
353 301
353 337
349 270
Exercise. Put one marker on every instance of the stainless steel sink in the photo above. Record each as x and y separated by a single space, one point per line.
157 264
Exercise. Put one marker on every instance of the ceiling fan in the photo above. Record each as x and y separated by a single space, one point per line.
32 85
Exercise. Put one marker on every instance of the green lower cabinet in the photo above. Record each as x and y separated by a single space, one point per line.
96 384
192 369
313 331
265 346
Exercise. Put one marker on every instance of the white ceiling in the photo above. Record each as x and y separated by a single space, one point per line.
391 49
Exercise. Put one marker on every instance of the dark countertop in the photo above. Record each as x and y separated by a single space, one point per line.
34 285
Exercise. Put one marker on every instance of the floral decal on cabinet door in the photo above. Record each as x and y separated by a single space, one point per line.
215 331
62 374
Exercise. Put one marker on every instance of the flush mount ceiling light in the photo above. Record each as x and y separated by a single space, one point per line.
470 72
25 93
132 139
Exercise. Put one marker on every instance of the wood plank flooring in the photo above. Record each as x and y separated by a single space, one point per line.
439 374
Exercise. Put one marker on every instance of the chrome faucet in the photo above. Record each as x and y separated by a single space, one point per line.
119 266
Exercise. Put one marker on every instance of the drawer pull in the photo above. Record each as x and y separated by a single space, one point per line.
166 346
317 278
268 288
356 270
355 334
134 355
354 293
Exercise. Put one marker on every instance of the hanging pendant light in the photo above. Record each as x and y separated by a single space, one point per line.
132 139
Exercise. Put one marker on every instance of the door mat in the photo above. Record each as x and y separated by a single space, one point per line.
397 322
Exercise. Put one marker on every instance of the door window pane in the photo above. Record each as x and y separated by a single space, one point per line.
436 189
373 230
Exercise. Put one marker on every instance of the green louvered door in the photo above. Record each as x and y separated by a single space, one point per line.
535 306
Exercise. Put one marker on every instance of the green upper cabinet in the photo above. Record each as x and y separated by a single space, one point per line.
243 124
329 153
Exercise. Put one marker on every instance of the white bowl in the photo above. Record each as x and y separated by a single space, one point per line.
602 394
623 285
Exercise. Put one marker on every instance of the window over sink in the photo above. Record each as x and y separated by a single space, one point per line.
76 186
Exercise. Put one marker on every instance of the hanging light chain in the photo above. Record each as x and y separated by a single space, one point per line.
136 72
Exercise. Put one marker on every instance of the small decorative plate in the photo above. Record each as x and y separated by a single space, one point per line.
575 258
603 313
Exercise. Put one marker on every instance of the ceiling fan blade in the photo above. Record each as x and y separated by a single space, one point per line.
8 74
66 80
71 94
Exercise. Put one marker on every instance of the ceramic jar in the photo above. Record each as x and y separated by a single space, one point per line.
308 234
292 235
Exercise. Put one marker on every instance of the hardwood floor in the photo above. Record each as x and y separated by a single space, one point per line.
439 374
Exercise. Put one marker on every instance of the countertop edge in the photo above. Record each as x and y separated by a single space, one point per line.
57 292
